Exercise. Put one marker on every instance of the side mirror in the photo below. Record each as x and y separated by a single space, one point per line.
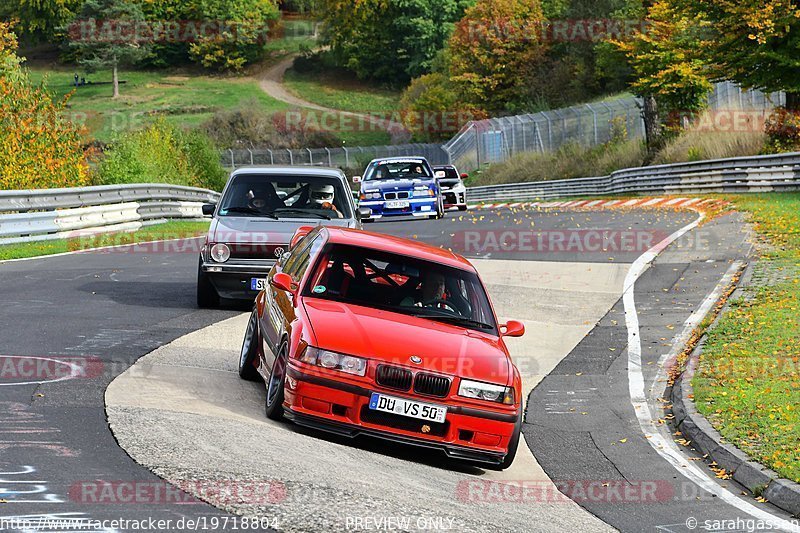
356 179
284 282
208 209
464 175
512 328
364 213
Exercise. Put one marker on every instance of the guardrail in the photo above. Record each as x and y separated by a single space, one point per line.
736 175
36 215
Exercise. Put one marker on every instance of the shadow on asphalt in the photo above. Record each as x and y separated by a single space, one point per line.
180 295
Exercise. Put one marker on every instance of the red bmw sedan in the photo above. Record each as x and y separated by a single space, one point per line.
366 334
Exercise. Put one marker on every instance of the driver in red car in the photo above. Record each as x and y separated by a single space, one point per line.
433 291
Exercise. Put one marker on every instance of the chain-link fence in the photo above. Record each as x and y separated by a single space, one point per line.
353 159
497 139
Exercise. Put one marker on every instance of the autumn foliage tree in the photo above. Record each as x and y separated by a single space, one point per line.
669 65
493 49
753 42
38 147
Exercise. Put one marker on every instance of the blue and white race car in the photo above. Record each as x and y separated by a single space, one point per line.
400 186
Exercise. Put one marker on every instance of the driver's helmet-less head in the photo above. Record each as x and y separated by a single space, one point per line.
433 286
321 194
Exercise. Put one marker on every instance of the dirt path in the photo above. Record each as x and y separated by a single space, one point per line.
271 82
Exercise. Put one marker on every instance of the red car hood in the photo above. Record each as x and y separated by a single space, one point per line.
394 338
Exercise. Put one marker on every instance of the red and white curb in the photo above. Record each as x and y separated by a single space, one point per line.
675 203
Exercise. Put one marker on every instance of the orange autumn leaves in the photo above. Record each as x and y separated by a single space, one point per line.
38 147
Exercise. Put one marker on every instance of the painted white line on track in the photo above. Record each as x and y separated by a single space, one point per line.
663 445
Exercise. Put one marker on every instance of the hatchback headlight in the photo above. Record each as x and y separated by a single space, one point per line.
220 253
335 361
486 391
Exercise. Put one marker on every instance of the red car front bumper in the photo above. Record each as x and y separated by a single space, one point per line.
315 400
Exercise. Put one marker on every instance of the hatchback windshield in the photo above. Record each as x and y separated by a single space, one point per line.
402 284
285 197
398 170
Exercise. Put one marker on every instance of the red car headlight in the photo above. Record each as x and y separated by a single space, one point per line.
335 361
486 391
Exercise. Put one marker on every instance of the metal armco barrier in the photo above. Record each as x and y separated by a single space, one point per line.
45 214
735 175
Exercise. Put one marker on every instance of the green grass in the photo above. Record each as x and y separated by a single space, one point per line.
158 232
340 90
748 381
186 99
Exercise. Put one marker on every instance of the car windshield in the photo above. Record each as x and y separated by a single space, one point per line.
449 172
402 284
398 170
258 195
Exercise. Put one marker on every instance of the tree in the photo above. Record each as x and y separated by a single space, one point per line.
669 65
38 147
493 48
753 42
108 34
39 18
389 40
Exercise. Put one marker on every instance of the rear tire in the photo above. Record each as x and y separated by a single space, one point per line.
275 384
250 347
207 296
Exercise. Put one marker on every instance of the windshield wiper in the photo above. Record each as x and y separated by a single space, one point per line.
250 211
302 212
460 320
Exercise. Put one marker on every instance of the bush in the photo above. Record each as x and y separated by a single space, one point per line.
250 127
783 131
163 153
431 109
38 147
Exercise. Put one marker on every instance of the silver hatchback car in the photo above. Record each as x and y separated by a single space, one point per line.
258 213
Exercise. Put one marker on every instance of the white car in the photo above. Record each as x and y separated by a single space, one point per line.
454 192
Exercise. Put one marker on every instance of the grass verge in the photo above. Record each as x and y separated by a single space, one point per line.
341 90
170 230
748 380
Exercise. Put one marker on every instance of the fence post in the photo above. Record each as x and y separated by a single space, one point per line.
233 161
477 146
271 157
346 157
594 123
330 161
310 157
291 156
549 130
251 157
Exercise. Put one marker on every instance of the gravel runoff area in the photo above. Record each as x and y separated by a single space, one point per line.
183 413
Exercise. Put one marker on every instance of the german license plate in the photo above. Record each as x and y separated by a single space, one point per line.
397 204
258 284
409 408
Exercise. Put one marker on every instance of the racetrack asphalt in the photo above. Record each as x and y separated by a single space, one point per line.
116 307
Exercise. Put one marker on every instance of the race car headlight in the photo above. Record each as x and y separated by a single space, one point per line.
375 196
486 391
220 253
335 361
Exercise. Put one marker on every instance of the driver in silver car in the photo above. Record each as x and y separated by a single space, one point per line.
321 197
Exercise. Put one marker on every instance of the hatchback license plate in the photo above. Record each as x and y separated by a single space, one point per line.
409 408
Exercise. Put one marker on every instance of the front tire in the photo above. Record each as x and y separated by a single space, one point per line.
462 208
250 347
275 384
513 444
207 296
